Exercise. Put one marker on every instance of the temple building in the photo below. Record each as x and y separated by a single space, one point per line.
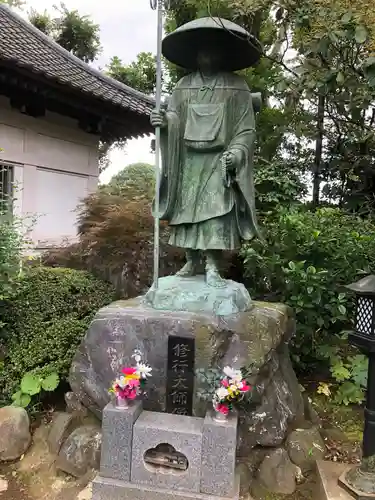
54 111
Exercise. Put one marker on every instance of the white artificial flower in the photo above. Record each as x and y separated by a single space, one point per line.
237 376
121 382
233 374
228 371
137 356
144 370
222 393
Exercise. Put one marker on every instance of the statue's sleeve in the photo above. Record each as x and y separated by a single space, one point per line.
170 136
170 159
243 120
243 139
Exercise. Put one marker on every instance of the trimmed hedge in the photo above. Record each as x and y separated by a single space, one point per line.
46 320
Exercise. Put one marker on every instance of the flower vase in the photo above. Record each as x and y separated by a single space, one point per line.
122 403
219 416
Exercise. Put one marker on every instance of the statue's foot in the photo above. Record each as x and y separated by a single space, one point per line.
214 279
189 269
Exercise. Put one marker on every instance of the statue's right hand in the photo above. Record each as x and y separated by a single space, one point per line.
158 119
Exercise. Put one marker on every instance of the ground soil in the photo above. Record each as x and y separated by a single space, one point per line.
34 476
349 420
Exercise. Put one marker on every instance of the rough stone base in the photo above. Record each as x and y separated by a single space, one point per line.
327 485
194 295
256 338
109 489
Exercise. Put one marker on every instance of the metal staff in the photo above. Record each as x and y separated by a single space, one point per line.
158 5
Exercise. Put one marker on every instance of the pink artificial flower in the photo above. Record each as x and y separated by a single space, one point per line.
225 382
244 387
133 382
129 371
222 409
132 394
121 393
120 390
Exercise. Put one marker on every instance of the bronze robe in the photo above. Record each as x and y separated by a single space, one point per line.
205 119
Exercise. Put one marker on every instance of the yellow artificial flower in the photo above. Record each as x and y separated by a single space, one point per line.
232 391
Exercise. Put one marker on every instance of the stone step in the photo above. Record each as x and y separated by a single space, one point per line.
327 486
111 489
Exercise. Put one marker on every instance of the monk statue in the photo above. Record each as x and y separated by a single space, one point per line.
207 143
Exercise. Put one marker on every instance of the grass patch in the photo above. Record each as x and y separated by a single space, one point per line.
349 419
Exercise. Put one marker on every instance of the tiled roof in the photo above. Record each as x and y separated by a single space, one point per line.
25 46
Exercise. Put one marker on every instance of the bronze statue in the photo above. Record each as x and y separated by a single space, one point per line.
207 141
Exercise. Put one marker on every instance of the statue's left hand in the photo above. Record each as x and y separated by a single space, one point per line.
233 159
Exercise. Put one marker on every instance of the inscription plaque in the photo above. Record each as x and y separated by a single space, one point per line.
180 380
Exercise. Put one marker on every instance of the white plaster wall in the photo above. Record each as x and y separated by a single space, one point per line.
55 166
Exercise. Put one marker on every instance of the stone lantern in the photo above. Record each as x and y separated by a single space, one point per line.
360 481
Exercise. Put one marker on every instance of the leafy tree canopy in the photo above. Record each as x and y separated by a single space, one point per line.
140 74
317 78
136 181
76 33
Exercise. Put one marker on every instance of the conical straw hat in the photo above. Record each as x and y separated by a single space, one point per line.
239 48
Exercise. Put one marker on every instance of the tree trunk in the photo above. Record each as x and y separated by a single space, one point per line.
318 152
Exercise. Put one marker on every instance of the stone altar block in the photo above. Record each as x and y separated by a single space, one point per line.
181 432
207 448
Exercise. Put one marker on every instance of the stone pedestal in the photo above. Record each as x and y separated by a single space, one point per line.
358 483
194 295
117 437
207 448
219 456
258 337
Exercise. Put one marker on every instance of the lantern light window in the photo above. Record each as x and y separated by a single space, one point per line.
363 335
365 315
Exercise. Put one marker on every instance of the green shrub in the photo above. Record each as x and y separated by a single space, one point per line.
307 259
34 385
116 234
47 319
10 258
116 244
